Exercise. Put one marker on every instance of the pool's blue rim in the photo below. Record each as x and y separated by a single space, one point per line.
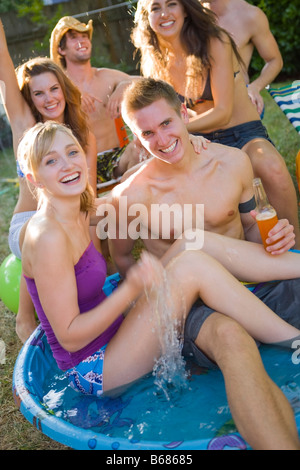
66 433
73 436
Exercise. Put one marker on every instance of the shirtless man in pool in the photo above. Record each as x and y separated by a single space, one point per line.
249 27
221 179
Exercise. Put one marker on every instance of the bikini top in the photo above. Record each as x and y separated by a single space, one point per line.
90 273
206 95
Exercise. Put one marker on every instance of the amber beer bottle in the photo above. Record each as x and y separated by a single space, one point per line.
266 216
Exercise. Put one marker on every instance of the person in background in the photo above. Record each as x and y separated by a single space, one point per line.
180 42
101 89
250 29
36 92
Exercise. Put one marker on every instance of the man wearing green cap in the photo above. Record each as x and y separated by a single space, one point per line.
101 88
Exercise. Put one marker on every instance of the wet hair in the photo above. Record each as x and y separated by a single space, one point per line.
200 26
74 117
144 92
36 143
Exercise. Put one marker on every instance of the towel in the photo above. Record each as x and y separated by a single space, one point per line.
288 99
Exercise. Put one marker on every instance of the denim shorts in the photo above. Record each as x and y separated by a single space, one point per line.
283 297
238 136
17 222
87 376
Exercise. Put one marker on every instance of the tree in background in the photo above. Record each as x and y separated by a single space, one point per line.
284 19
283 15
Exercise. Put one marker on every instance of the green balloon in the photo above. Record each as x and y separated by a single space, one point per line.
10 276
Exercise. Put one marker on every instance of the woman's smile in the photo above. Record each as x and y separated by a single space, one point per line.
72 178
47 96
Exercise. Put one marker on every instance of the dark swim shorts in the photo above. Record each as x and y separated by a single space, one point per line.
238 136
283 297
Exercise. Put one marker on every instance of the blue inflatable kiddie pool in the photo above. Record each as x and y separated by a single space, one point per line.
145 417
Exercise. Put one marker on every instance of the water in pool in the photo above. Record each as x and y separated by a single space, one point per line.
177 403
195 408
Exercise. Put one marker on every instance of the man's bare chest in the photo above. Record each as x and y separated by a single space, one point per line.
238 29
171 213
99 91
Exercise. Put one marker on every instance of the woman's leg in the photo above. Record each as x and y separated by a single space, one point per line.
247 261
25 319
261 411
189 276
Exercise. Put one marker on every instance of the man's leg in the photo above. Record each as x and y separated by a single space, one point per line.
260 410
269 165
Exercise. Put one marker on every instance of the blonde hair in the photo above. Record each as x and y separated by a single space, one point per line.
36 143
74 117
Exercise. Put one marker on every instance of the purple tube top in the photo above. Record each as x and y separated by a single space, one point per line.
90 272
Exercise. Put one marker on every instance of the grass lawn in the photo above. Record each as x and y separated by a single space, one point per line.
15 432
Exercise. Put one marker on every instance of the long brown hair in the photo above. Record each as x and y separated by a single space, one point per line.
74 117
200 26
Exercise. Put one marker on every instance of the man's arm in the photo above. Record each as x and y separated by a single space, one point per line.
267 47
121 253
107 219
120 243
250 228
244 177
120 81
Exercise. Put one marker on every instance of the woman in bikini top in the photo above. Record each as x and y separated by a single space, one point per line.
180 42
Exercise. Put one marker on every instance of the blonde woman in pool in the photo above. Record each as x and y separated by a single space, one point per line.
98 347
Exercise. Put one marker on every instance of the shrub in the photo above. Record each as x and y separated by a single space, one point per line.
284 19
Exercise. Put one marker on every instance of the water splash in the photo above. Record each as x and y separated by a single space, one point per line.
170 368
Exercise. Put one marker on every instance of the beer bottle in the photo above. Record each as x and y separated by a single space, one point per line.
266 216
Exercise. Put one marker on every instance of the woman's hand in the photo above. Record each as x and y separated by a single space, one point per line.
256 98
145 274
198 142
